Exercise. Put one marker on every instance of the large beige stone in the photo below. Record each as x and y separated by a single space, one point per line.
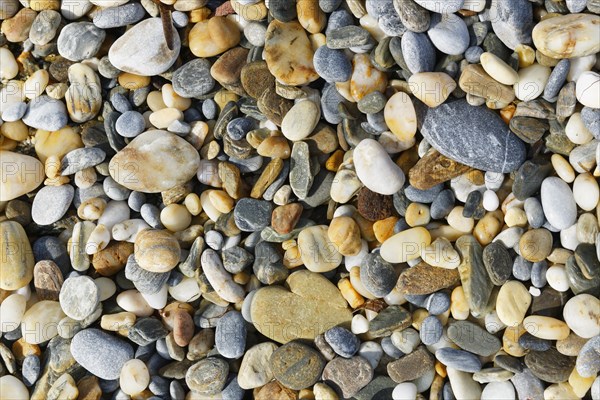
21 174
16 257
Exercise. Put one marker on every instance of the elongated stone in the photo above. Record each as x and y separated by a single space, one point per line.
568 36
473 274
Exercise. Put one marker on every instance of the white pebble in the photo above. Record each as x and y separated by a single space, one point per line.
359 324
535 292
372 352
532 81
490 200
498 390
106 287
568 238
557 278
405 391
582 315
12 310
406 340
493 180
129 229
13 388
134 377
157 300
375 169
586 191
9 67
580 65
134 302
98 240
115 212
588 89
187 290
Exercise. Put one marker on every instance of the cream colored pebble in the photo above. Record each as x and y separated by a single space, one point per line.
15 130
563 168
586 191
576 130
155 101
175 217
417 214
134 377
91 209
98 239
193 204
173 100
118 321
161 119
515 216
546 327
459 307
8 67
86 178
36 83
459 222
57 90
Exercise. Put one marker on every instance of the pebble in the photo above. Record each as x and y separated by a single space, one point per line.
441 122
459 360
418 52
567 36
208 376
46 114
134 377
317 251
13 309
79 297
431 330
296 365
580 315
532 81
342 341
156 251
586 89
79 41
332 65
100 353
470 337
375 169
255 368
16 265
512 21
147 42
114 17
498 69
558 203
411 366
448 33
252 215
300 120
348 374
377 275
432 88
230 336
193 79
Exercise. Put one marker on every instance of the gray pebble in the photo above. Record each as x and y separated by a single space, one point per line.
151 214
51 203
576 6
377 275
388 348
522 269
332 65
473 54
115 190
418 52
530 342
146 331
100 353
498 262
414 17
372 103
237 128
180 19
473 338
209 109
448 33
431 330
348 36
130 124
80 40
159 386
377 8
255 32
80 159
527 385
193 79
591 120
338 19
106 69
437 303
588 360
535 212
442 205
390 22
252 215
377 122
214 240
180 128
176 391
236 259
46 113
145 281
230 335
114 17
268 266
44 27
14 112
423 196
51 248
557 80
79 297
329 5
342 341
30 370
538 274
512 21
330 98
458 359
119 102
444 7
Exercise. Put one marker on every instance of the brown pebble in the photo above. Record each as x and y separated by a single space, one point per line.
285 218
256 78
273 106
16 29
274 390
228 68
113 258
232 181
224 9
411 366
267 177
434 168
425 279
183 327
21 349
47 280
345 234
89 388
374 206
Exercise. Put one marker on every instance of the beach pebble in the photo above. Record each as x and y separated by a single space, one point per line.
558 203
79 41
587 89
448 33
46 114
375 169
580 314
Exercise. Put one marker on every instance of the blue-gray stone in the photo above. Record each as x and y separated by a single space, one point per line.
332 65
389 348
136 200
423 196
591 120
576 6
527 385
114 17
329 5
588 360
448 33
130 124
236 259
377 275
522 269
46 113
193 79
180 19
151 214
473 54
419 300
390 22
557 80
237 128
252 215
442 205
330 98
530 342
144 281
30 370
377 122
512 21
458 359
538 274
472 338
162 350
52 248
485 142
342 341
51 203
438 303
176 390
100 353
535 212
159 386
79 41
338 19
418 52
232 390
114 190
120 102
209 109
180 128
146 331
377 8
414 17
14 112
230 335
268 264
431 330
80 159
498 262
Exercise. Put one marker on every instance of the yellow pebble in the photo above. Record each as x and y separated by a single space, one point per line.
199 14
515 216
15 130
417 214
418 316
334 161
175 217
526 55
459 307
192 203
384 229
155 101
458 221
222 97
132 81
350 294
440 369
221 201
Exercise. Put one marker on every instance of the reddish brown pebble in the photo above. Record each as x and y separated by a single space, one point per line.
285 218
374 206
47 280
183 327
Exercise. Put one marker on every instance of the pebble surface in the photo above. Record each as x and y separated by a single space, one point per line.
320 199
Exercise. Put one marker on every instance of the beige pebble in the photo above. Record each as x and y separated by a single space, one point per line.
9 68
133 302
441 254
344 233
173 100
56 143
40 322
318 252
57 91
192 203
512 303
157 250
510 341
532 81
155 101
86 178
15 130
405 245
36 83
546 327
91 209
132 81
64 388
586 191
458 221
459 306
134 377
417 214
310 15
16 256
21 174
526 55
498 69
365 77
563 168
117 322
84 96
568 36
576 130
175 217
579 384
162 118
400 116
213 37
432 88
536 244
357 284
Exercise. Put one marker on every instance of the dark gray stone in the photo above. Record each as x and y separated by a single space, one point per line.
230 335
512 21
472 338
144 281
423 196
529 177
498 262
237 128
146 331
80 159
442 205
521 268
473 274
530 342
414 17
236 259
437 303
498 150
458 359
252 215
193 79
31 370
538 274
100 353
268 266
550 365
52 248
342 341
377 275
557 80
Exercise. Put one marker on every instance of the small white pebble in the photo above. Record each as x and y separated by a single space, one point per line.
557 278
360 324
490 200
405 391
535 292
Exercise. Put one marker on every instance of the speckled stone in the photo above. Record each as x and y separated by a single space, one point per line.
332 65
296 365
193 79
418 52
80 40
100 353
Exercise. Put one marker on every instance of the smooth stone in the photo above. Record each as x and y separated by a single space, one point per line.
557 79
512 303
114 17
532 81
389 320
100 353
502 390
458 359
291 68
550 365
471 148
448 33
529 177
348 375
13 388
470 337
145 281
462 384
558 203
587 89
418 52
312 301
447 7
145 158
332 65
528 385
588 362
377 275
22 174
432 88
230 335
255 370
143 50
342 341
473 274
581 315
193 79
296 365
207 376
498 262
317 251
431 330
79 297
46 114
17 262
13 309
252 215
375 169
411 366
414 17
300 120
567 36
59 197
399 113
591 119
512 21
79 41
498 69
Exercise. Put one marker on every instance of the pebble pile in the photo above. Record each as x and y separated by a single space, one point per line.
300 199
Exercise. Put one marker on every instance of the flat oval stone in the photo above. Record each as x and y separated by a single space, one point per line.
512 303
449 33
51 203
289 67
498 150
568 36
40 322
230 335
558 202
310 307
193 79
297 365
143 49
405 245
100 353
418 52
16 262
113 17
79 297
581 313
473 275
550 365
458 359
80 40
21 174
207 376
156 251
470 337
375 169
512 21
147 164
